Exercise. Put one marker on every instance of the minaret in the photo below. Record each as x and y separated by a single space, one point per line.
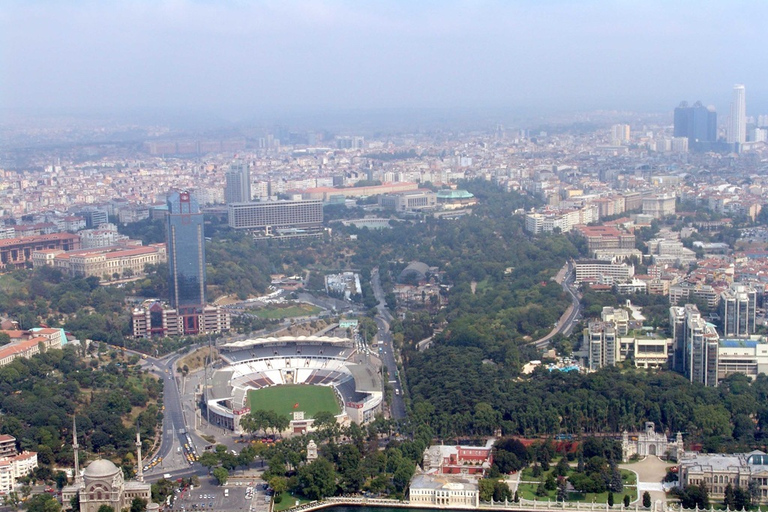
140 471
76 450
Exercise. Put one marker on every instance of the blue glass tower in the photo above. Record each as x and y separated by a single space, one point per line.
186 258
698 123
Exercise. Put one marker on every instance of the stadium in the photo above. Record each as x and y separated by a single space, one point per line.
298 376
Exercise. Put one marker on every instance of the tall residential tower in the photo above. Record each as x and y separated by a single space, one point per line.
238 183
737 131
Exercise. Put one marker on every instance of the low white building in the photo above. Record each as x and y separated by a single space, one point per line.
444 491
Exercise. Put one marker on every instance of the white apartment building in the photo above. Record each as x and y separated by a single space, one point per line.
564 220
15 467
601 270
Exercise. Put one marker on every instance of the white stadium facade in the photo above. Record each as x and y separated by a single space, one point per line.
305 360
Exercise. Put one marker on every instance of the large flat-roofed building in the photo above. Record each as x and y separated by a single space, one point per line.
414 200
717 471
326 193
18 251
748 357
603 271
287 219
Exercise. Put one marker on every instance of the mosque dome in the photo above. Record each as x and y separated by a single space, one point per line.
101 468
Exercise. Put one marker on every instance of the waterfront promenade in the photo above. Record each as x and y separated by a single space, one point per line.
522 505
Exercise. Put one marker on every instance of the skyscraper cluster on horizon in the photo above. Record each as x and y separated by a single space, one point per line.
698 124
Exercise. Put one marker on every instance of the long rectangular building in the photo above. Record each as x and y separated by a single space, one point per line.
102 262
278 218
600 270
18 251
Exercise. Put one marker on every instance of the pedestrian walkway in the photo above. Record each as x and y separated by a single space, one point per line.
650 475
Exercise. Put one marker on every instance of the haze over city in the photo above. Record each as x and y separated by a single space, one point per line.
239 59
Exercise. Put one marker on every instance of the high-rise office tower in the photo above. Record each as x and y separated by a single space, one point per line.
737 131
698 123
186 258
238 183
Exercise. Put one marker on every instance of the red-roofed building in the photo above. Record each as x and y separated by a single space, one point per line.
28 343
18 251
458 460
103 261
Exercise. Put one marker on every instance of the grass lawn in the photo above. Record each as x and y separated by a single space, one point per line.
280 312
281 399
288 502
528 491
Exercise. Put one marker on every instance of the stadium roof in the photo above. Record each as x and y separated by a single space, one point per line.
288 350
220 387
286 339
366 378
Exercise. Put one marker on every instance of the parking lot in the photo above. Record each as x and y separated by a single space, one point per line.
244 495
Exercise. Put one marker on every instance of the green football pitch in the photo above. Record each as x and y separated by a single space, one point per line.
282 399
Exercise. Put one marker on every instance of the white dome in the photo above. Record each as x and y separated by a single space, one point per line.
101 468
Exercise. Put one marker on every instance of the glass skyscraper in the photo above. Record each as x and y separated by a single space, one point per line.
698 123
186 258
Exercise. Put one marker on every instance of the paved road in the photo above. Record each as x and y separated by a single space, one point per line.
572 315
176 434
387 354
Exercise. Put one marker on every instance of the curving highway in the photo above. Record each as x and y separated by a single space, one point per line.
566 277
387 353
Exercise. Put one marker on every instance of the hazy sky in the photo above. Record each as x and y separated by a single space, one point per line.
273 55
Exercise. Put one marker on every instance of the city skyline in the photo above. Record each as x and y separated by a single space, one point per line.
242 59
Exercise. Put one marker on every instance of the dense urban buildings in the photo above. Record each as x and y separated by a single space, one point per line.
186 258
